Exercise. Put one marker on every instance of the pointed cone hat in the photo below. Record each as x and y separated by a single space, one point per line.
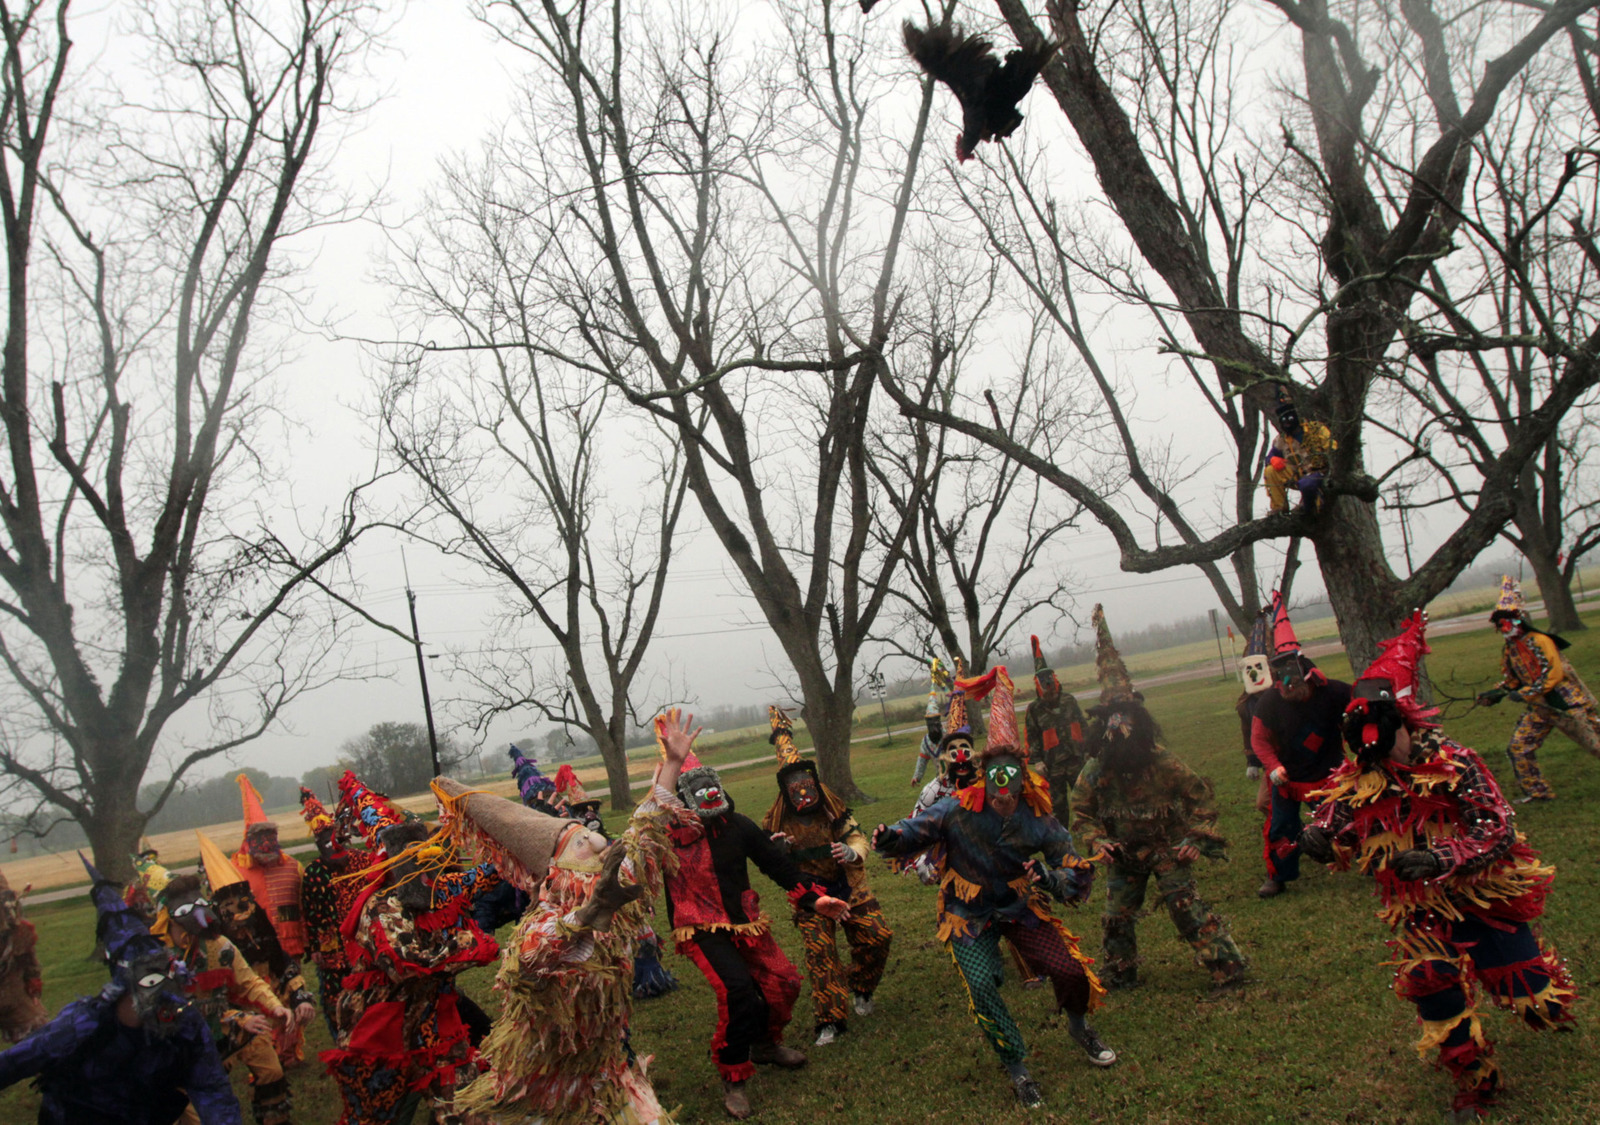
996 686
154 876
370 809
1398 669
253 812
1510 600
782 736
1115 683
219 869
519 841
938 684
955 709
1261 630
568 787
1042 672
1284 642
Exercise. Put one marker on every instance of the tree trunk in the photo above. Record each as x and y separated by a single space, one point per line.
1560 608
830 719
615 756
1362 588
113 829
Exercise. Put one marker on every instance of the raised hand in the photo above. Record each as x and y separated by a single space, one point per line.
676 737
836 908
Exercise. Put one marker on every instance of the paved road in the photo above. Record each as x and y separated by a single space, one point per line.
1442 627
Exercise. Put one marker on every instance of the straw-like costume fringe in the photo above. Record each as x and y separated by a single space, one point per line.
761 925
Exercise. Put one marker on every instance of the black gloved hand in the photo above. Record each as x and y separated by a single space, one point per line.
609 895
1492 696
884 837
1316 843
1417 864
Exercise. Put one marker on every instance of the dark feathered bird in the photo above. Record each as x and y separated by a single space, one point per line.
866 5
987 89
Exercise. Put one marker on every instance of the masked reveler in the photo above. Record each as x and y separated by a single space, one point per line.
1055 728
402 1040
246 925
1255 672
1458 883
559 1052
830 849
325 899
536 790
139 1053
1537 673
240 1008
717 923
1296 736
938 689
21 982
1300 458
990 889
1142 812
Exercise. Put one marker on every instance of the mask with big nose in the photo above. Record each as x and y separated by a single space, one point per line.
1003 777
701 790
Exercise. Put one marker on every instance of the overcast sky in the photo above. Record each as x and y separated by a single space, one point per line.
447 85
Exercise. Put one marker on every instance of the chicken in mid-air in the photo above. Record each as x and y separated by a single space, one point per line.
987 89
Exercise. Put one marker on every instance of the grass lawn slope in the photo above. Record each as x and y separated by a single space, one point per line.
1317 1036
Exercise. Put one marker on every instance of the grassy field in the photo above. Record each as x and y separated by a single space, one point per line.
1316 1037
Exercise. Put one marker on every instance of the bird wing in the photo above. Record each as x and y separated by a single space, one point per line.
1014 78
963 62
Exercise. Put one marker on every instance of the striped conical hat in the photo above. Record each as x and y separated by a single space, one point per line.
1116 686
782 736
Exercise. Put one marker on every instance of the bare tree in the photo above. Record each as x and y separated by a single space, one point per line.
143 237
1317 294
513 451
726 255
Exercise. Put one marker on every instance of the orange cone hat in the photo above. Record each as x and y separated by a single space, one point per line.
253 812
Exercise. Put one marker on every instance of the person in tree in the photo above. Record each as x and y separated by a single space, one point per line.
325 899
1055 728
717 923
928 748
246 925
1295 734
1537 673
559 1052
402 1040
1143 813
1458 883
1300 458
989 888
139 1053
240 1009
830 849
21 979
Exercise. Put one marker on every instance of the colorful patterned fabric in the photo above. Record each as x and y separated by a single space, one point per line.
559 1052
1302 459
1470 921
868 937
276 888
226 990
1536 672
1048 949
755 986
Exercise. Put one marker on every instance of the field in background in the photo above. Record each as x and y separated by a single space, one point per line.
1316 1038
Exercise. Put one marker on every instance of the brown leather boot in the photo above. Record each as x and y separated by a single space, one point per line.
1270 889
776 1054
734 1100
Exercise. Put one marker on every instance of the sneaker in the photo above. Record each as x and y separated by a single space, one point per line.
734 1101
862 1004
1271 889
1033 982
1531 798
826 1034
776 1054
1028 1092
1099 1054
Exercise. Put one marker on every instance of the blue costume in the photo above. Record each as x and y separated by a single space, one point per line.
93 1069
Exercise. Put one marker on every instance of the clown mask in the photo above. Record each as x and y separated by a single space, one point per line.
581 849
261 841
959 764
803 792
701 790
1003 778
1510 627
1255 673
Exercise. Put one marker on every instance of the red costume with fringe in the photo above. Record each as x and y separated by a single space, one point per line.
1468 925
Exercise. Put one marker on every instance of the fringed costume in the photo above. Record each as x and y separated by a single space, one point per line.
989 888
325 899
559 1052
21 981
1458 883
91 1068
928 749
1055 728
1537 673
1300 458
402 1038
830 849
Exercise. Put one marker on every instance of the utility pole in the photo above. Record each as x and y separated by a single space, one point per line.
881 690
422 666
1222 661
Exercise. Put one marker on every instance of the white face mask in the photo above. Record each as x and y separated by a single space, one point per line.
1255 673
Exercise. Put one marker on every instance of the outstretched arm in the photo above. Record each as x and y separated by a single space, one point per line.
677 735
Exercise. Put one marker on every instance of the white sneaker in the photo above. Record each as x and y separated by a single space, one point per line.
826 1035
863 1005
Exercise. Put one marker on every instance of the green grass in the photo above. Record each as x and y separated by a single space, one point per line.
1316 1038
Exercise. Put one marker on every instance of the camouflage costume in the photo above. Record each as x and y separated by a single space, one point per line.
1146 818
1055 728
